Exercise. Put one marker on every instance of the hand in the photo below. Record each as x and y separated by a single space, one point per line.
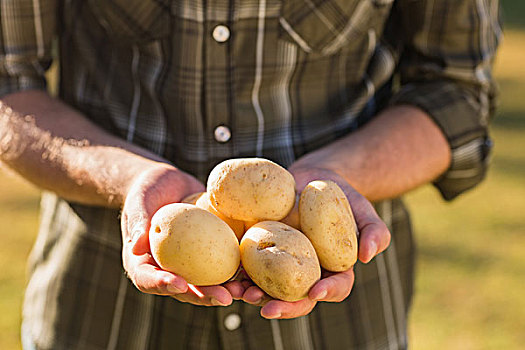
152 189
333 287
337 287
374 236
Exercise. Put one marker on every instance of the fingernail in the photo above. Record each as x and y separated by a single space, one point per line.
216 302
372 250
256 302
272 316
173 289
321 295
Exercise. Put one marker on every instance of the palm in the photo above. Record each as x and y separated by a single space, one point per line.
333 287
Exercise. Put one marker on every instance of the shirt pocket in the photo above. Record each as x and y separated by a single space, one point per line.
133 21
324 27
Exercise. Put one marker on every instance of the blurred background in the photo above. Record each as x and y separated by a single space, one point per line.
471 252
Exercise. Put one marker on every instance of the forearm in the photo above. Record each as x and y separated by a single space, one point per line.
399 150
58 149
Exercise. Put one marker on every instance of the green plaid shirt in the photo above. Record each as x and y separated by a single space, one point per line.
201 81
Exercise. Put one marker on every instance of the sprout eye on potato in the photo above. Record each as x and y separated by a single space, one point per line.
251 189
280 260
328 222
194 244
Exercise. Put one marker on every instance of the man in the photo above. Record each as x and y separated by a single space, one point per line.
380 96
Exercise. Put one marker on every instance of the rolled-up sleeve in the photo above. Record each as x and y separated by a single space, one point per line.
448 48
27 30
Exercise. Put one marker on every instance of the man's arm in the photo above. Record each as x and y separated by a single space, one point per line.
58 149
400 149
437 129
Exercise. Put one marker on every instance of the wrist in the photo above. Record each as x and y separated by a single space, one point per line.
105 173
161 180
304 174
319 165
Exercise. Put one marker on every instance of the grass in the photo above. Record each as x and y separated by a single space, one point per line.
18 223
471 263
469 288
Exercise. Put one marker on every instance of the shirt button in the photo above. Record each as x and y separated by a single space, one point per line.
221 33
232 322
222 133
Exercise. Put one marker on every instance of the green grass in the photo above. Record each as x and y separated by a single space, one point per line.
471 267
18 223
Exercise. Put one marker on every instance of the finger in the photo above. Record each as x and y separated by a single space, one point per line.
149 193
150 279
218 295
374 234
195 290
334 288
140 244
247 283
255 296
235 288
212 296
374 239
283 309
135 226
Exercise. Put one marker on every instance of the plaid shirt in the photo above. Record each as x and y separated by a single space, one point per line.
201 81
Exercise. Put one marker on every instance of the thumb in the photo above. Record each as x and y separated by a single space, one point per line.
135 230
140 241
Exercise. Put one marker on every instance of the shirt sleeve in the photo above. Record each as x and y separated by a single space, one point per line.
445 68
27 30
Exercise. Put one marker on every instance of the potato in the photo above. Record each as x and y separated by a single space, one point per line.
192 198
280 260
293 219
249 224
237 226
327 220
251 189
194 244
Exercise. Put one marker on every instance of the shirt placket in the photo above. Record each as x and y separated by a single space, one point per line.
217 78
217 99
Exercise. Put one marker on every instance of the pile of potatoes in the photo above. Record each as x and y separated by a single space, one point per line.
284 239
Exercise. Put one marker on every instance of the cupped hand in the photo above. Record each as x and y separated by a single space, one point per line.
152 189
374 238
333 287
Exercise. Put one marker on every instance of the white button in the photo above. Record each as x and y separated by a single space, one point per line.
232 322
222 133
221 33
